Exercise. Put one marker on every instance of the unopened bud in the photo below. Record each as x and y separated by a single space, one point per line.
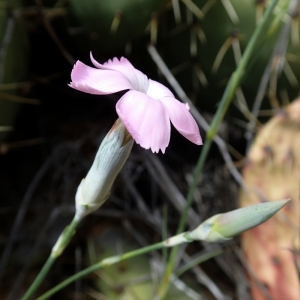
225 226
110 158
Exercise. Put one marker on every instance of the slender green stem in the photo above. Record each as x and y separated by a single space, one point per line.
227 97
38 280
198 260
166 280
62 242
165 234
103 263
119 258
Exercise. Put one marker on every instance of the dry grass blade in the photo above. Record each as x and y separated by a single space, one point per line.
5 41
199 118
176 9
204 279
159 173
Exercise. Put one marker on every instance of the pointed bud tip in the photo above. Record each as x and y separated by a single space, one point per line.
225 226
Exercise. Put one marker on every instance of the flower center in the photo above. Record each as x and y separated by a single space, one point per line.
142 82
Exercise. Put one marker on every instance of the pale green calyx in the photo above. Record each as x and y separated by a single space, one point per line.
62 242
223 227
110 158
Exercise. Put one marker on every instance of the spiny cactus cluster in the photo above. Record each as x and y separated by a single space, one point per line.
272 172
113 24
202 41
209 44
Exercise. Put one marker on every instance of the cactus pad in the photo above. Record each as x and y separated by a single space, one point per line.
272 172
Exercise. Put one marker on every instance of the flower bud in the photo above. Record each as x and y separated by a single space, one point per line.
225 226
110 158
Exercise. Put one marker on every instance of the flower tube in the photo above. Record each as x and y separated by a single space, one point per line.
112 154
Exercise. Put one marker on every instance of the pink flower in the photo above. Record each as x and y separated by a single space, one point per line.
145 110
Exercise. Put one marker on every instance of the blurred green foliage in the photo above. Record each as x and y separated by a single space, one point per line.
13 58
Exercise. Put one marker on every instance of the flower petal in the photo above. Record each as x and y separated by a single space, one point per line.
156 90
182 119
138 80
99 82
113 64
145 119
